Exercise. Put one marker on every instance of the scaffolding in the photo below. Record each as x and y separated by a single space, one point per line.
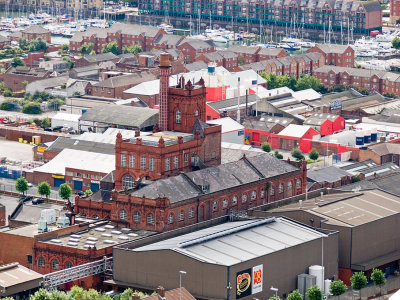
55 279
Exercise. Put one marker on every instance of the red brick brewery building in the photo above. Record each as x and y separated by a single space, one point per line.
173 177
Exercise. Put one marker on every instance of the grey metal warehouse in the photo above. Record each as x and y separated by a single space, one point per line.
227 259
121 116
367 222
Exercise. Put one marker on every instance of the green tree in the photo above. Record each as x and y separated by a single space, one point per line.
25 83
135 49
44 189
126 294
21 185
295 295
64 48
45 123
297 154
266 147
65 191
356 178
17 61
274 298
87 48
308 82
76 292
396 43
358 281
41 294
37 45
278 155
313 154
9 104
314 293
337 288
88 192
276 81
7 93
59 295
23 43
241 60
111 47
378 278
32 108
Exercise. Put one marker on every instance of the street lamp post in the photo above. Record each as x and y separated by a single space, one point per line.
276 292
180 283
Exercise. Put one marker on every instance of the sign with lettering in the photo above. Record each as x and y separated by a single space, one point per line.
336 104
243 283
257 283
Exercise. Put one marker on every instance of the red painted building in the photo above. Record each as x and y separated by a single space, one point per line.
326 124
394 10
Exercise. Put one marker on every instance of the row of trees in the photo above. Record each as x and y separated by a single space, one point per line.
33 45
337 288
44 189
296 152
78 293
310 82
113 48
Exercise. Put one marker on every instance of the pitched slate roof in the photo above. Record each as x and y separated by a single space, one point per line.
372 6
125 80
100 57
333 48
36 29
223 177
329 174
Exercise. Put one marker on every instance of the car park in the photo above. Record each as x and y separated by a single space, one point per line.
37 201
26 198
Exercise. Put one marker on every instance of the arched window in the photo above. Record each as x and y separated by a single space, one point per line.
224 203
136 217
272 191
68 265
54 264
253 195
41 262
196 113
127 182
244 198
234 200
191 212
280 188
122 214
170 218
215 205
289 186
178 116
150 219
298 183
181 215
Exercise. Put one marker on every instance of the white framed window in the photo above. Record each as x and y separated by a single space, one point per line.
150 219
176 162
215 205
170 218
196 113
151 164
178 116
167 164
136 217
262 193
122 214
132 161
143 163
280 188
185 157
127 181
253 195
191 212
289 185
68 265
181 215
272 191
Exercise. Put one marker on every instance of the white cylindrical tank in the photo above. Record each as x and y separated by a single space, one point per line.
327 283
317 271
359 138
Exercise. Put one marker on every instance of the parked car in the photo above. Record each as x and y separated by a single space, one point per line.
30 184
80 193
26 198
37 201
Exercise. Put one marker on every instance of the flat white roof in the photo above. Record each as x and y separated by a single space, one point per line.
78 159
308 94
228 124
66 117
294 130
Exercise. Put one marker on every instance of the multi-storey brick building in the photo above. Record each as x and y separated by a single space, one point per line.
394 10
380 81
352 16
123 34
34 32
14 78
186 144
337 55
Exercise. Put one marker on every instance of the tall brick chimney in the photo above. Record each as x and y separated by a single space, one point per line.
165 72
